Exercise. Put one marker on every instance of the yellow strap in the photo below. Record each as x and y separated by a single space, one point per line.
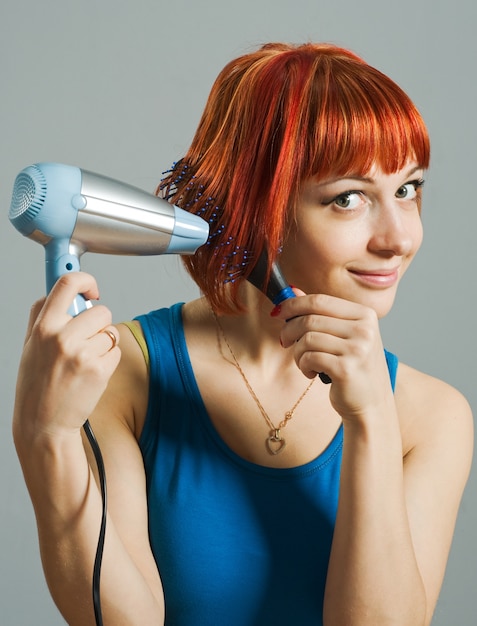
139 337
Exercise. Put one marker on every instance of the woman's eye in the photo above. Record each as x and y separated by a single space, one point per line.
409 191
349 200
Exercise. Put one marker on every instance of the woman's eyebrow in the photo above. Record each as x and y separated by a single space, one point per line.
363 179
414 170
330 181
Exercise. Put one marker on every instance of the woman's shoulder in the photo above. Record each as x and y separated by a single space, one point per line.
432 411
125 399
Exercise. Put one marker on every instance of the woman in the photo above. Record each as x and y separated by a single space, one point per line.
241 488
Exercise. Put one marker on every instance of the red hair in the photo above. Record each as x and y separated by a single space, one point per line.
274 118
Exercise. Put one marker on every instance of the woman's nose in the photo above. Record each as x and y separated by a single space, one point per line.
397 231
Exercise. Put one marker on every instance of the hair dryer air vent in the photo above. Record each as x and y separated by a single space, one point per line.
29 193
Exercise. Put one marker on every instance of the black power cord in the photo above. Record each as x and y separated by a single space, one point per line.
102 532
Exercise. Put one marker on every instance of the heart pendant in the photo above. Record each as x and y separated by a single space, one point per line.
275 444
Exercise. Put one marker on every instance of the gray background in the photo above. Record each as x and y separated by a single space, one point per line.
118 87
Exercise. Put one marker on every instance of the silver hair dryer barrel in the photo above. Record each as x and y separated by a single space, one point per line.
71 211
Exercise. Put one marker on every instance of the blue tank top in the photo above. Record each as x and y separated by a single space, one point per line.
236 544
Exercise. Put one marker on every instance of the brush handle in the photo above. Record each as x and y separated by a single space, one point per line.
277 290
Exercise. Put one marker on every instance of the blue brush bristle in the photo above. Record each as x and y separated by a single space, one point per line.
235 258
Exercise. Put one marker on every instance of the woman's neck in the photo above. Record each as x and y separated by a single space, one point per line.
254 336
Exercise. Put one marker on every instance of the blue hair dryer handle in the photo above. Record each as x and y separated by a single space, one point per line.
60 261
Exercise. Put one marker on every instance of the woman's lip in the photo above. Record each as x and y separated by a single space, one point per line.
378 278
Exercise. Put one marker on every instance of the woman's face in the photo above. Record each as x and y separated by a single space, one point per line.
355 237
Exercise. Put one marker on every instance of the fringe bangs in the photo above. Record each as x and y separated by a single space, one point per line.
365 122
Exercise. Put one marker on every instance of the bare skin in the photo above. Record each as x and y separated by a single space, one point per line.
406 455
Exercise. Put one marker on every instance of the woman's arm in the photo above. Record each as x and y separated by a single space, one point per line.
395 519
435 468
69 374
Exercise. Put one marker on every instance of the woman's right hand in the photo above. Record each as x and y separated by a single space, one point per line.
65 378
66 362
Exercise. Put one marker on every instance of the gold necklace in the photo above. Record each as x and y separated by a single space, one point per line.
275 443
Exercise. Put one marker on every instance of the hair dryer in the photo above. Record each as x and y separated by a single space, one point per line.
71 211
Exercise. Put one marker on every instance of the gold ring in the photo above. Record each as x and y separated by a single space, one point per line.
112 336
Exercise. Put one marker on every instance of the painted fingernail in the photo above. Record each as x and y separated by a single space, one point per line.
276 310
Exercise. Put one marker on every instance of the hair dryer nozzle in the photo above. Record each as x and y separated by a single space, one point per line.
190 232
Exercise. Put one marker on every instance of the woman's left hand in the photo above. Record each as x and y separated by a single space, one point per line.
342 338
